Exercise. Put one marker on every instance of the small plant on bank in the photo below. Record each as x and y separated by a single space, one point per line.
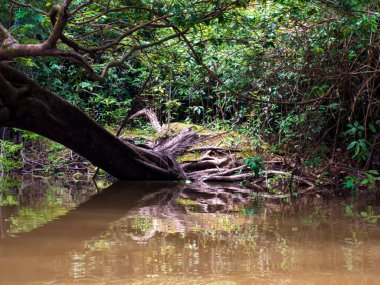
371 176
255 163
359 145
368 180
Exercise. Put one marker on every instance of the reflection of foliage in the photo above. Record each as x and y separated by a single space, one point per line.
285 250
142 224
8 200
7 188
265 244
54 203
237 230
99 244
368 215
352 250
255 206
31 218
189 204
317 218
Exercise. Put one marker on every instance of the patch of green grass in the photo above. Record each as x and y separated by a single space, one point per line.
186 202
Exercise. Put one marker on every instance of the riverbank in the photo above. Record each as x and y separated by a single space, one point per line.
227 156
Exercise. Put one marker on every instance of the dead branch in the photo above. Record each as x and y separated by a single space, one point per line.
193 166
152 117
231 178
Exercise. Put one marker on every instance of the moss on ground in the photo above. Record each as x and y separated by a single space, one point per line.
223 139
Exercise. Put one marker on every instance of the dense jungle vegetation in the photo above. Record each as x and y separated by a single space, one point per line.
288 88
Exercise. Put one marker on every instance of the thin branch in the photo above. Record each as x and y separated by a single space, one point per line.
80 7
132 50
127 119
118 62
11 15
113 10
121 37
30 7
74 45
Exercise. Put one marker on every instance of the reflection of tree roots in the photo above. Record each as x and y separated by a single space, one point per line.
167 211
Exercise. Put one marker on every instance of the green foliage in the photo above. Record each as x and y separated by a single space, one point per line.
359 145
288 50
254 163
29 26
54 203
187 202
355 129
316 219
367 180
10 156
351 183
360 148
371 176
313 162
8 187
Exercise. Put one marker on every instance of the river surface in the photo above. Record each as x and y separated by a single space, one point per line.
174 233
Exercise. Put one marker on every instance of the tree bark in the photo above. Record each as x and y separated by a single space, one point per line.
150 115
26 105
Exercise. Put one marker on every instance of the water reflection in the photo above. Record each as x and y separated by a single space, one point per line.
26 204
171 233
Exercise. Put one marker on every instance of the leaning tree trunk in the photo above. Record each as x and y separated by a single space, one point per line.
26 105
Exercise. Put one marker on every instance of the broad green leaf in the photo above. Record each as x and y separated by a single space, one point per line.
351 145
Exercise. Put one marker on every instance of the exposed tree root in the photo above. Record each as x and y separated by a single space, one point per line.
217 149
217 164
300 179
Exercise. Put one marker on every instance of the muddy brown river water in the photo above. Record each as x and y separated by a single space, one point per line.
167 233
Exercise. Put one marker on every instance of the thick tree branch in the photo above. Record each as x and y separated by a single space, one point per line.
60 16
6 39
7 88
42 112
59 24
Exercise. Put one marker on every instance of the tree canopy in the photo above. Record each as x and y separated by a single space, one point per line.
278 70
